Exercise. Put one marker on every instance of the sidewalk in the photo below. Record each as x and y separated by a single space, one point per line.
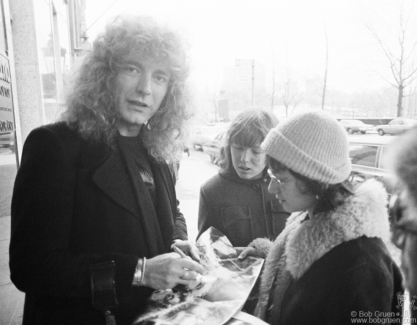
11 299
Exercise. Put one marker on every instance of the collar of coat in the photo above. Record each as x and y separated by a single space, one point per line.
303 242
363 214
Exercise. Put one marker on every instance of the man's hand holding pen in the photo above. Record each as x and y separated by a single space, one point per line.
194 282
187 248
165 271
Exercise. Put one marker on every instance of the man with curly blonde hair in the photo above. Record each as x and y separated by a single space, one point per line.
94 191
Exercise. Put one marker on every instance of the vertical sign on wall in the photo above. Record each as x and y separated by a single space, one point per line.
6 106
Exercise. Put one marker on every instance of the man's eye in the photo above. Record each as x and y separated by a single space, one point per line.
161 79
130 70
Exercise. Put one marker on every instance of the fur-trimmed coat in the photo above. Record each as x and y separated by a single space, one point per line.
328 268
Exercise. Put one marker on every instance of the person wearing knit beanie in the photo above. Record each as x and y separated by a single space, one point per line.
330 261
312 144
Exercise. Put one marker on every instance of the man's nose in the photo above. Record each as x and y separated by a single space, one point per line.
144 85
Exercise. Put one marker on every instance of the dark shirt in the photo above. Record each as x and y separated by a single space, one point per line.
133 147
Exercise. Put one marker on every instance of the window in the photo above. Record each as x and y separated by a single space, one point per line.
364 155
384 157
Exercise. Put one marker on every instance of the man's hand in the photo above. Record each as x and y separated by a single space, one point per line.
188 248
167 270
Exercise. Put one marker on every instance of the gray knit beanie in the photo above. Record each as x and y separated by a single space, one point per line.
312 144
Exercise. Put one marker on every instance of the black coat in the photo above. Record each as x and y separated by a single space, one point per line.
241 209
355 276
75 204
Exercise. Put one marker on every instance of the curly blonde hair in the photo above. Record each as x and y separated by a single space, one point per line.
91 107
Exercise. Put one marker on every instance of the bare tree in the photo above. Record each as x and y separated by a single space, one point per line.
401 56
213 95
290 91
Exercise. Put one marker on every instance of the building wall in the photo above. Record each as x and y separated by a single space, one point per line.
38 46
46 34
25 52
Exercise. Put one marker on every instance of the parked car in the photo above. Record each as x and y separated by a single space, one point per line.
396 126
368 156
352 126
197 139
213 147
202 134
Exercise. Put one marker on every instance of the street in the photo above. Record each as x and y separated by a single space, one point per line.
194 171
11 300
8 172
373 137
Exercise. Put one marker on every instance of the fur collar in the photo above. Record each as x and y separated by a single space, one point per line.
363 214
304 242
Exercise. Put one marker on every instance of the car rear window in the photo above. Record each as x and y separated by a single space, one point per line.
364 155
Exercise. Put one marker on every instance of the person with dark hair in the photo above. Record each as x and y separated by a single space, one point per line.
402 159
330 263
94 194
237 201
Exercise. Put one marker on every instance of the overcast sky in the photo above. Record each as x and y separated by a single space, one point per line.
290 33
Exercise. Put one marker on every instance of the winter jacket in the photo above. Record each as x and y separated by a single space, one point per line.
77 203
328 268
241 209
